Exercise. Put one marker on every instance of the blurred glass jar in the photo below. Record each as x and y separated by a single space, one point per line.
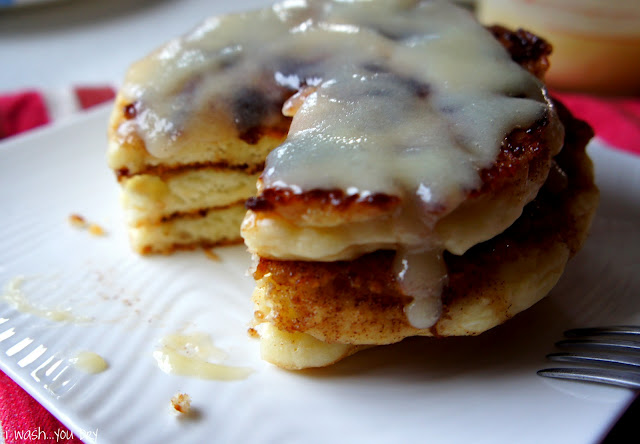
596 43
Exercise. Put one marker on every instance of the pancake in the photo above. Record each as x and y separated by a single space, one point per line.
313 314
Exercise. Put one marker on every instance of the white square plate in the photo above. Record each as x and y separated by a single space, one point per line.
456 390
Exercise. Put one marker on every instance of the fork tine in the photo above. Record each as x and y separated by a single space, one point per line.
611 355
597 358
619 378
592 344
628 330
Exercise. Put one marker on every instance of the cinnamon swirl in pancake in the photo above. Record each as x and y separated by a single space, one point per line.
414 183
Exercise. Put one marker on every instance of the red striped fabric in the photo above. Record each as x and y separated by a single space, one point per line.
91 96
28 109
21 111
615 120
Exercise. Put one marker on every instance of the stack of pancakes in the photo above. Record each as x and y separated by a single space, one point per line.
417 178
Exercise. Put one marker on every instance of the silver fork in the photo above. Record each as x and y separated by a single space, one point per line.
609 355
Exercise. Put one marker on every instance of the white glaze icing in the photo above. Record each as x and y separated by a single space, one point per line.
89 362
190 355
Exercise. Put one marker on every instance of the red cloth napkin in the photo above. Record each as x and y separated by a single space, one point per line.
23 419
21 112
615 120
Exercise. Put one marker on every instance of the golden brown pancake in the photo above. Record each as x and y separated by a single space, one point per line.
357 303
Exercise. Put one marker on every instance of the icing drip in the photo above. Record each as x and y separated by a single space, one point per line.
422 275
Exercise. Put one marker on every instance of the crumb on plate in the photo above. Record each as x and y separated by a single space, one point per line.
77 221
181 403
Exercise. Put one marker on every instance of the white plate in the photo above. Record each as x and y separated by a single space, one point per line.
457 390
